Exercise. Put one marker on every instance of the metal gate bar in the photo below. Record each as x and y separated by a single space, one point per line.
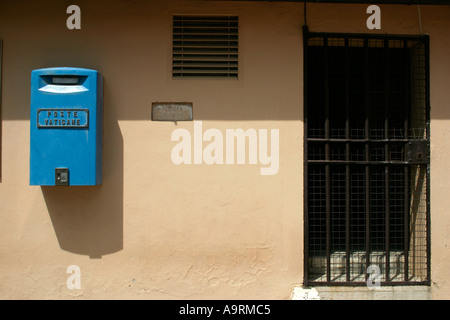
360 193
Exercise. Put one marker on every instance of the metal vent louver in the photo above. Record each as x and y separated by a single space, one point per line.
205 47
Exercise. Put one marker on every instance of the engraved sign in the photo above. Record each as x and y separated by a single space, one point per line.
62 118
171 111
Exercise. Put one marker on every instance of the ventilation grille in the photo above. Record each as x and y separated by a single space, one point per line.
205 47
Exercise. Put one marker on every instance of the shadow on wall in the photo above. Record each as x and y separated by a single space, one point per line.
89 220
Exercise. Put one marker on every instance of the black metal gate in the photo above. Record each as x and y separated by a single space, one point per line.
366 158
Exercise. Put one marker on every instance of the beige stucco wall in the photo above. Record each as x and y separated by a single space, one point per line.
155 230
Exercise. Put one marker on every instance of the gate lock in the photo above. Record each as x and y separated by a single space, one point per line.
418 152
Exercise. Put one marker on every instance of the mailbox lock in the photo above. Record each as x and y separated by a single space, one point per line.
61 177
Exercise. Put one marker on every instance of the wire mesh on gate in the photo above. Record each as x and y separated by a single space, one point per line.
367 158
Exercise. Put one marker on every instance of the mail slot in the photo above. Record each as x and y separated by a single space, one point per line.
66 127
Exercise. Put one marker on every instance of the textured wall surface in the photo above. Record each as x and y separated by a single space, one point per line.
155 230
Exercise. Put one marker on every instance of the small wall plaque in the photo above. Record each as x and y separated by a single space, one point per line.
172 111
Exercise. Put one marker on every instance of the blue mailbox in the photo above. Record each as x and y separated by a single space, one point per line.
66 127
